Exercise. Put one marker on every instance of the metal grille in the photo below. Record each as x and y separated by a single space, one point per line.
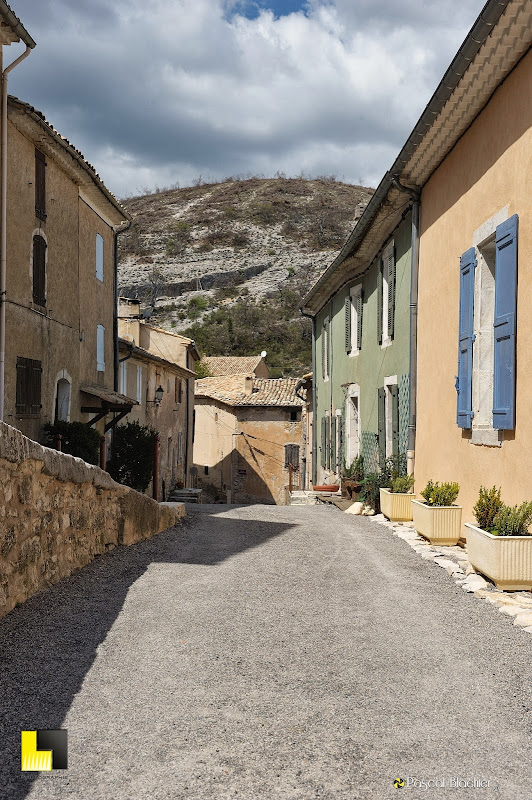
370 451
404 401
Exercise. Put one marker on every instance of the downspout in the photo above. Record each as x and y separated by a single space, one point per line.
314 397
414 279
3 227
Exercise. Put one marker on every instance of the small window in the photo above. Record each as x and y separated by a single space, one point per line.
123 378
39 270
293 415
353 320
100 348
40 185
28 390
139 384
291 455
62 401
206 469
99 257
386 296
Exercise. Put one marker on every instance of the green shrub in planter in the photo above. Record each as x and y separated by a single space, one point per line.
355 470
437 494
77 439
513 520
402 484
487 506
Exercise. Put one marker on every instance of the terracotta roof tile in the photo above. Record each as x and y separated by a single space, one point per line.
231 389
232 365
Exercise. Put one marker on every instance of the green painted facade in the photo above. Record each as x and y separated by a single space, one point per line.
367 370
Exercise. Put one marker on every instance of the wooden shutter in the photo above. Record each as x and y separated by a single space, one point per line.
327 347
360 306
464 379
391 290
291 455
379 301
394 392
504 324
347 310
341 426
40 185
381 429
28 388
99 257
323 356
324 442
333 443
39 270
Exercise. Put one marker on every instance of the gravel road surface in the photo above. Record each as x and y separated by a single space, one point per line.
284 653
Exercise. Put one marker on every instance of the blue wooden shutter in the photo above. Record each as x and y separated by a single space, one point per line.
464 403
99 257
100 348
504 324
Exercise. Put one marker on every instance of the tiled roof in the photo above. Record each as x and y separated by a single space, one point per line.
11 28
232 365
231 390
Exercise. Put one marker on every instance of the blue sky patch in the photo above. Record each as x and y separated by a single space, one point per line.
252 8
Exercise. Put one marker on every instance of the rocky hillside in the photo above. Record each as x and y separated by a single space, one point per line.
228 263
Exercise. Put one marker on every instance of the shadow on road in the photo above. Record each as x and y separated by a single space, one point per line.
48 644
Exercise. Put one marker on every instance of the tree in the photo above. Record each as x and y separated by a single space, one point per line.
132 455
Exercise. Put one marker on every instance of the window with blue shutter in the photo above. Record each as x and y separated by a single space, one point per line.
464 379
99 257
100 348
504 324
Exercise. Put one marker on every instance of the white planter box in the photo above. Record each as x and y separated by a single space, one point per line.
397 507
507 560
438 524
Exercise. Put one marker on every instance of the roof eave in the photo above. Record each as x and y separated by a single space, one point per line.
16 25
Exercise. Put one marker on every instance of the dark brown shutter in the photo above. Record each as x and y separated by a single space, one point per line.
28 390
40 185
39 270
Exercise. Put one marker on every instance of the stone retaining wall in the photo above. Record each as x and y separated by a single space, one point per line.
57 513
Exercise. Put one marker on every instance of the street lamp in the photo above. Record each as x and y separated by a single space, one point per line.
159 392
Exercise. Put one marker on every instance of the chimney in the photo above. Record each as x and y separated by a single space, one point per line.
248 384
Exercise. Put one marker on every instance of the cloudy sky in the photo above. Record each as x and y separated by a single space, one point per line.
159 92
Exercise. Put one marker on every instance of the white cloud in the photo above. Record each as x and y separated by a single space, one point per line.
159 92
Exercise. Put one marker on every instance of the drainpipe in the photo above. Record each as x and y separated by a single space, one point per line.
414 277
314 397
3 227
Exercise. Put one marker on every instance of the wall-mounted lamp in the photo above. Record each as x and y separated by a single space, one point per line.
159 392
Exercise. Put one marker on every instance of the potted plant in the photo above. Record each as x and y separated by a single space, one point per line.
396 500
352 477
437 518
500 545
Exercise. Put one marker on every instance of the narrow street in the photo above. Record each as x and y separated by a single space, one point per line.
267 652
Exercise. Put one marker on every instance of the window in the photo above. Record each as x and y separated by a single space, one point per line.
206 469
353 320
386 296
62 401
39 270
100 348
99 257
28 391
291 456
294 415
40 185
139 384
388 418
485 383
352 423
325 349
123 377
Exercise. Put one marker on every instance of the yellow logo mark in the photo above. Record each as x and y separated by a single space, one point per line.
399 783
34 760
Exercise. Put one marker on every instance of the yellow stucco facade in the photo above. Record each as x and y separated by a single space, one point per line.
484 179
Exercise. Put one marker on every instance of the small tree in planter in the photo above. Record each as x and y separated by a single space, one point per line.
395 500
352 476
438 518
501 546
